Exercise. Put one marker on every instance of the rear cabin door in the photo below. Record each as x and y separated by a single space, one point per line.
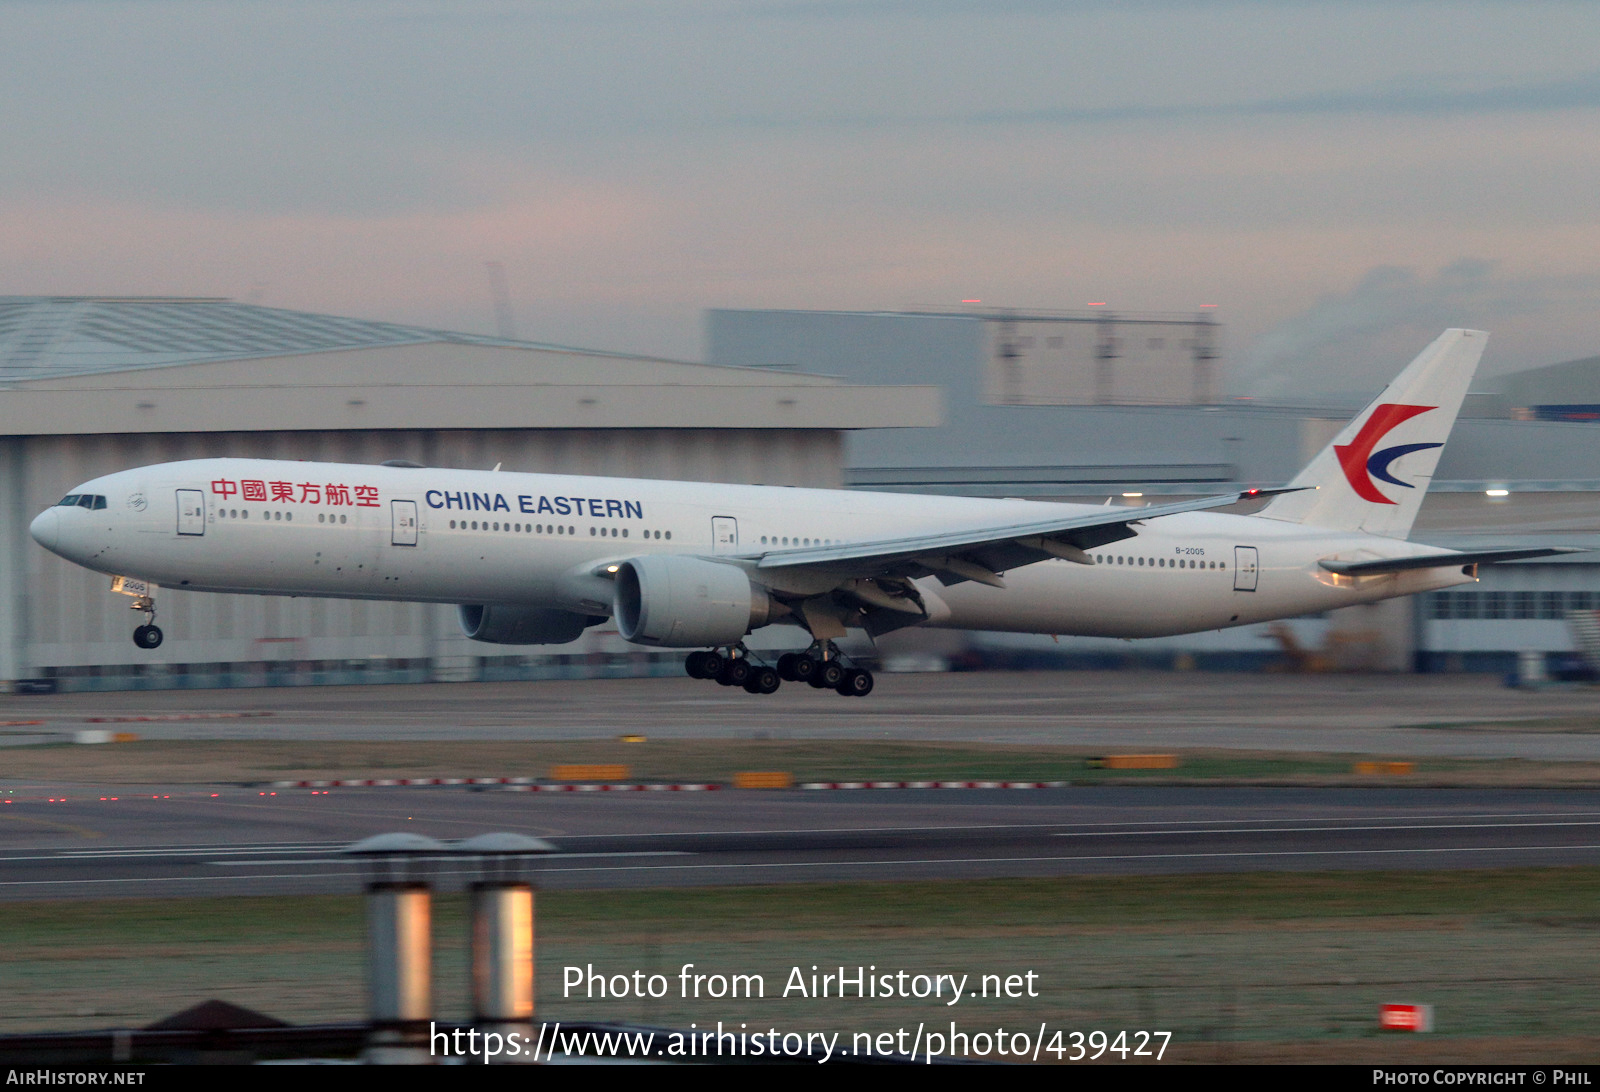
191 512
724 534
1246 562
403 517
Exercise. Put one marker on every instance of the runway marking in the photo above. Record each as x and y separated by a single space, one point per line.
1295 830
135 854
1047 826
456 858
860 863
1173 827
1101 857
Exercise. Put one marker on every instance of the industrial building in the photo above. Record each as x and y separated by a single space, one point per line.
1091 406
93 385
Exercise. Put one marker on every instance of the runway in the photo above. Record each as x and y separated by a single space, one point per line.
1464 716
237 842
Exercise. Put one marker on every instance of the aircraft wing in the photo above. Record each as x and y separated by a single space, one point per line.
982 553
1440 561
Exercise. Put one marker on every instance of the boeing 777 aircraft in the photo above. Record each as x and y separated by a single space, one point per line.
537 558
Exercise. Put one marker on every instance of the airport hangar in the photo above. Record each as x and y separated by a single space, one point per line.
93 385
1088 406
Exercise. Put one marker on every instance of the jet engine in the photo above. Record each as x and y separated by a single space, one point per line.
501 625
686 602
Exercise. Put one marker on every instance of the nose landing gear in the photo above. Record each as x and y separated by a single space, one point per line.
149 635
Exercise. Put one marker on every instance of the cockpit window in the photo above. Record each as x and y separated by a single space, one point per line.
82 500
99 501
68 501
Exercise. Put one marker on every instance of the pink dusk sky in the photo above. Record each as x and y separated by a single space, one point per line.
1341 179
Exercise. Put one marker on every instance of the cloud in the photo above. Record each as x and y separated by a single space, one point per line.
1349 344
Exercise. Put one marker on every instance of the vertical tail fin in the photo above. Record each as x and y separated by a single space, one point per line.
1374 474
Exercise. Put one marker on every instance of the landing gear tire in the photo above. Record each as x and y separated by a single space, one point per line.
734 672
827 676
803 668
147 636
695 665
763 680
786 670
857 683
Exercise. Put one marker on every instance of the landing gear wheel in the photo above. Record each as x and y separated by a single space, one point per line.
147 636
734 672
803 667
695 665
763 680
828 675
711 664
857 683
786 670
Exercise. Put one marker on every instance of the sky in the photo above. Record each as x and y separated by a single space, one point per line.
1342 180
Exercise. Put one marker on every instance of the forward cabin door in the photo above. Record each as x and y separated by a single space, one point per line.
403 519
191 512
1246 563
724 534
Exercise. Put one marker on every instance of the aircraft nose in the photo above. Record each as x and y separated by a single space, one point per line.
46 528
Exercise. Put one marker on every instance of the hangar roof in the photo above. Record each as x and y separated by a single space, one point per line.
43 336
1572 382
106 365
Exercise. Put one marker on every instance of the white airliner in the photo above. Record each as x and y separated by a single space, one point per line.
537 558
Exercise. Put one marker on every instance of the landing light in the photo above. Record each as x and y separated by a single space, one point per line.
1133 494
613 568
1497 492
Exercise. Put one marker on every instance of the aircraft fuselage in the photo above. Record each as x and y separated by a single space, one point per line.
544 540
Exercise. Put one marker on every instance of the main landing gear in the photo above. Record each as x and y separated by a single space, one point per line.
819 666
148 635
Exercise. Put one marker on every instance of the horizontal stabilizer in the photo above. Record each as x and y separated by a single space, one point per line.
1441 561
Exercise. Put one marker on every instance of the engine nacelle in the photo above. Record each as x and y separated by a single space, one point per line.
686 602
501 625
